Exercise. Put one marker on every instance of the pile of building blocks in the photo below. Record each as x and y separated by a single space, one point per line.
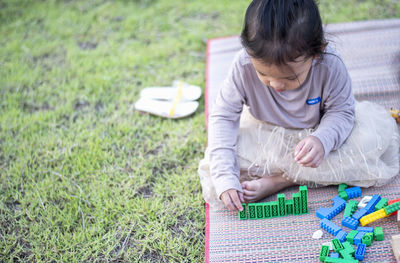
362 237
298 205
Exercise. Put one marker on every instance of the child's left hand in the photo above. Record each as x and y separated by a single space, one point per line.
309 152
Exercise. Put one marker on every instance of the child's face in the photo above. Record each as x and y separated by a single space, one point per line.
283 77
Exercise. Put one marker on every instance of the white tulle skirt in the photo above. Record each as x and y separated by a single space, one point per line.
369 157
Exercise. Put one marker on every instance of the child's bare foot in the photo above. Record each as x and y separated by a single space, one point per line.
256 190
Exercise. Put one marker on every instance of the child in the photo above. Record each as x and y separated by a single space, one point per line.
300 123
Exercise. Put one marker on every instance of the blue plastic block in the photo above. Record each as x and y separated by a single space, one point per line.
353 192
341 236
360 213
360 251
350 222
358 238
365 229
370 207
334 255
338 205
329 226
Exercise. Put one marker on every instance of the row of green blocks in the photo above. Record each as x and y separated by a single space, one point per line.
282 207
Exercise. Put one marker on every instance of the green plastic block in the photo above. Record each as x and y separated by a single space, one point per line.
367 239
243 214
296 203
392 208
350 236
289 207
323 253
351 207
339 260
381 204
348 247
274 209
281 202
260 211
342 187
337 246
267 210
348 251
304 199
252 211
378 233
343 194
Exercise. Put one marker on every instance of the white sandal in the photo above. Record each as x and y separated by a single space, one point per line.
188 92
167 109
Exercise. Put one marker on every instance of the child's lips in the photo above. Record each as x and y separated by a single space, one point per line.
280 90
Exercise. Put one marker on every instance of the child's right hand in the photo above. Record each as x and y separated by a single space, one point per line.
233 199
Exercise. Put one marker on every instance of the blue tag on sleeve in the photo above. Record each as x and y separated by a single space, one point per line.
313 101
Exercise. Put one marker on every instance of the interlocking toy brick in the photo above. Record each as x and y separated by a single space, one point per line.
289 207
351 207
252 211
365 220
358 238
338 206
392 208
394 201
260 211
267 210
341 235
343 195
350 222
370 207
367 239
365 229
348 251
329 226
282 205
348 248
360 213
337 245
342 187
381 204
350 236
243 213
304 199
274 209
334 255
353 192
296 203
360 251
323 253
340 260
378 233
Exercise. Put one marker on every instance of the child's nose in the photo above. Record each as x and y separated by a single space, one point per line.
277 84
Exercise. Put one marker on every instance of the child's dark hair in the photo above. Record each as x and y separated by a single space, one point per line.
279 31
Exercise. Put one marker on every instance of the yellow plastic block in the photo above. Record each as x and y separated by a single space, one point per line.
365 220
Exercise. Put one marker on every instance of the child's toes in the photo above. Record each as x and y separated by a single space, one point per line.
252 185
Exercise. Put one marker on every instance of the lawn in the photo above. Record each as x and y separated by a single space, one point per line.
83 176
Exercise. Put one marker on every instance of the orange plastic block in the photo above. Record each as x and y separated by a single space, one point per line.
365 220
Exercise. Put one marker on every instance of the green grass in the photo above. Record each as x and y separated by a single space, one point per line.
84 177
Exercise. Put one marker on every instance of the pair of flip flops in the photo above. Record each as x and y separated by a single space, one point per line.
173 102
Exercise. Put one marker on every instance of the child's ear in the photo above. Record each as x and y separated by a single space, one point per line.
324 47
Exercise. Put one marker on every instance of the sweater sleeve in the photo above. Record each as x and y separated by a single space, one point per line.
223 131
338 109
